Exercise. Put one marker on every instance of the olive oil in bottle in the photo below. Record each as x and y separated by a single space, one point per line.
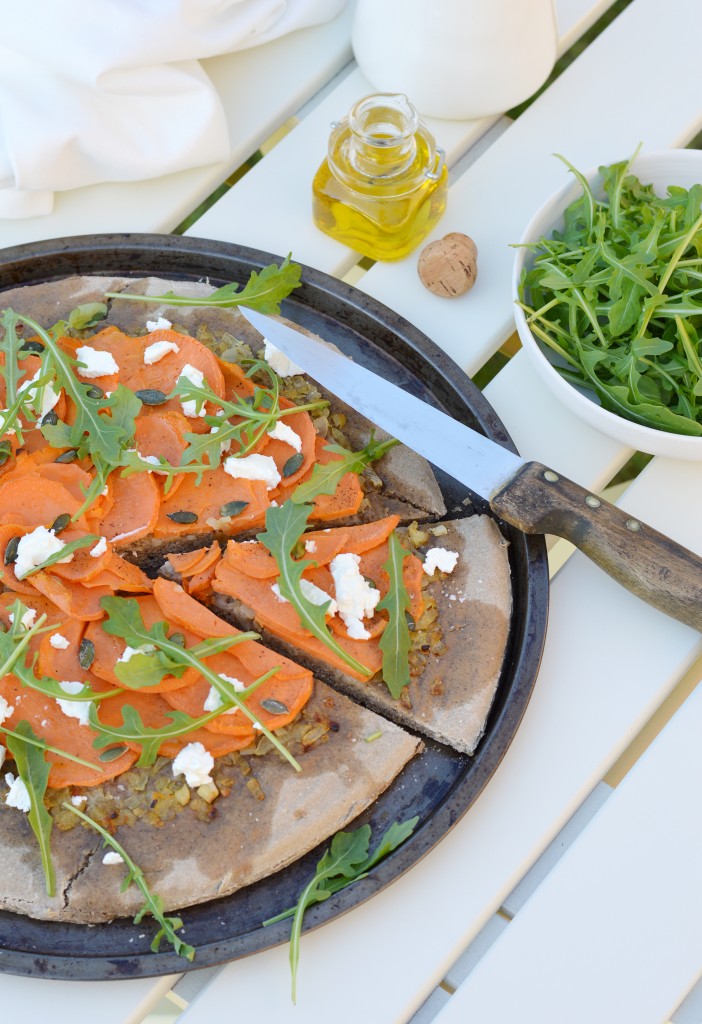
383 185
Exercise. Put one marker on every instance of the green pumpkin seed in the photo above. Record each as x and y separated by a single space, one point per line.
233 508
60 522
275 707
31 348
177 638
86 653
5 452
94 391
11 550
182 517
112 753
49 420
69 456
293 464
151 396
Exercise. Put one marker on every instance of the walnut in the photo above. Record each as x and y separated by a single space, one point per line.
449 266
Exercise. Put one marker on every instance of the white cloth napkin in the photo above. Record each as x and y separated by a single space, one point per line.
111 90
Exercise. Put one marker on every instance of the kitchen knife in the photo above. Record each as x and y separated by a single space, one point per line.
528 495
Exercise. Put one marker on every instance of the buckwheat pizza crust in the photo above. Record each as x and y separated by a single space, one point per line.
187 860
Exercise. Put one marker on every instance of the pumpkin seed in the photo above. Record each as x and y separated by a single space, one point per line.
293 464
182 517
94 391
151 396
68 456
112 753
177 638
5 451
275 707
60 522
50 419
31 348
86 653
233 508
11 550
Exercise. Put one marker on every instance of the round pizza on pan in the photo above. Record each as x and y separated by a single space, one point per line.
231 609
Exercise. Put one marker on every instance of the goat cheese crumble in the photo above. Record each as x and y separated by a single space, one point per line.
158 325
312 592
99 549
27 620
441 559
356 598
279 362
18 795
34 548
253 467
58 641
196 377
113 858
96 362
195 763
282 432
155 353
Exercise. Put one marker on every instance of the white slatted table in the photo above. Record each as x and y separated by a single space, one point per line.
612 930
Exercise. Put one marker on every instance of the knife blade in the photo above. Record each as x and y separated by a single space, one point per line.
528 495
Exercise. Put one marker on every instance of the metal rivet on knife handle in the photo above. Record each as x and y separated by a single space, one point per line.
633 524
592 501
551 476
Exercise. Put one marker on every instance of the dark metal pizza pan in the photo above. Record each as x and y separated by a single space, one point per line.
439 785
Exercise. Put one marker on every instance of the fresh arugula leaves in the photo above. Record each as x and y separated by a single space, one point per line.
325 479
346 861
264 291
33 768
124 620
395 643
616 294
285 525
153 903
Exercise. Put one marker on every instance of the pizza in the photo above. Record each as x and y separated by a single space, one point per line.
232 610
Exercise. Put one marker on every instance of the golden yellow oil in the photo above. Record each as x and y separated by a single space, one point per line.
383 212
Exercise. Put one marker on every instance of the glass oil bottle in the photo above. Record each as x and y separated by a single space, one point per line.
383 185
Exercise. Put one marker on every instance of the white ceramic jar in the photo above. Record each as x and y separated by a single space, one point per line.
456 58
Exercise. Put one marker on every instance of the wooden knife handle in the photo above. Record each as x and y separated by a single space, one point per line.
650 565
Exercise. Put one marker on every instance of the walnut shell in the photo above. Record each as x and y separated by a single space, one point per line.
449 266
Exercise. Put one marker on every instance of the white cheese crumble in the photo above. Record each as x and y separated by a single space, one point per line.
311 546
313 593
197 378
213 701
354 595
44 397
195 763
18 795
282 432
35 547
6 710
158 325
113 858
27 620
441 559
97 363
99 549
253 467
58 641
4 414
279 362
78 801
129 652
78 709
155 353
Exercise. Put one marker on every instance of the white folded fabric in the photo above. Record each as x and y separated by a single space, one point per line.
111 90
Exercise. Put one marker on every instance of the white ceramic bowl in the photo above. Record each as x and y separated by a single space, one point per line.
669 167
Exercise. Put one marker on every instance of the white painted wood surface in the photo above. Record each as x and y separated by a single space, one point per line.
400 946
643 962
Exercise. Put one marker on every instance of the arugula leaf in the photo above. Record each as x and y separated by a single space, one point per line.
124 620
325 479
153 903
263 291
616 296
346 862
33 769
395 642
67 549
88 315
285 525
